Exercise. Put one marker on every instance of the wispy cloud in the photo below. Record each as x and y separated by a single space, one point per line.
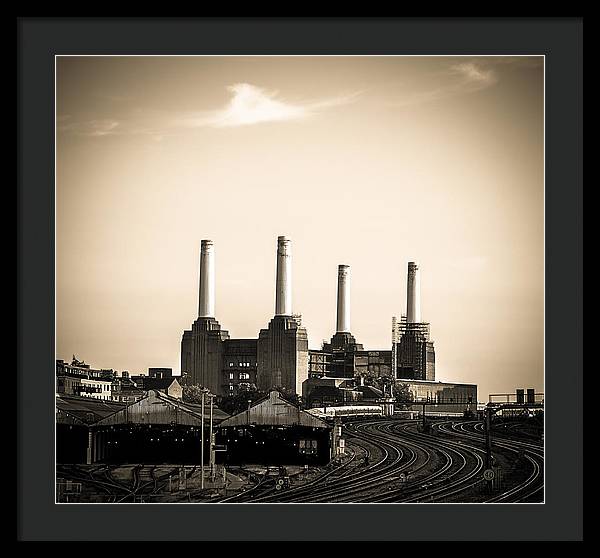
474 76
92 128
250 104
96 128
462 78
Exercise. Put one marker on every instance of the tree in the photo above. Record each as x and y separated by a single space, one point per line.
384 382
238 401
369 378
192 394
402 394
290 396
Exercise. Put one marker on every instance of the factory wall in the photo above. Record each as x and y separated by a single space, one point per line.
444 392
239 364
282 355
202 354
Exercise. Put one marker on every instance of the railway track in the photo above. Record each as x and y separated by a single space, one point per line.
457 468
390 461
529 489
117 491
436 467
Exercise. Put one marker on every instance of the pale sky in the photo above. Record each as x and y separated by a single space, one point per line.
366 161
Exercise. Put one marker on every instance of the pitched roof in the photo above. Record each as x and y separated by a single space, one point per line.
84 410
158 383
274 410
158 408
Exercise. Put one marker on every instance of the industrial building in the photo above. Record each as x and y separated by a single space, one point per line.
344 357
274 431
337 370
78 378
155 429
280 358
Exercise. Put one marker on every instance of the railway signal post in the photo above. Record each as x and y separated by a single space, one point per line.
488 437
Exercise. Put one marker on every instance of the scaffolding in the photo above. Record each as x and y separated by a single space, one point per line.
413 345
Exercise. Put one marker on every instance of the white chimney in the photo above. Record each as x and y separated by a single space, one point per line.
206 305
413 298
283 286
343 299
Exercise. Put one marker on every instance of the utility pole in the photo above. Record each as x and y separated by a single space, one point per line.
202 442
488 437
394 353
212 442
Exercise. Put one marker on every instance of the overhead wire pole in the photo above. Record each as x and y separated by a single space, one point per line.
394 353
488 437
202 442
212 445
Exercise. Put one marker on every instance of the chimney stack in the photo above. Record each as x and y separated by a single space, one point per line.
206 306
413 299
343 299
283 287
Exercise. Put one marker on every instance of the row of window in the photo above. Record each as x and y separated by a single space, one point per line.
242 385
103 397
241 376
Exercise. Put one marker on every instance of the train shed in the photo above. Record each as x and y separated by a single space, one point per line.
273 431
74 417
155 429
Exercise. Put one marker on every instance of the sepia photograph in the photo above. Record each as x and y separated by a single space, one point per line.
299 279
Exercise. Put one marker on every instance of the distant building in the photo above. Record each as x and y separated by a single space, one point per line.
125 391
416 354
160 372
344 357
78 378
447 396
168 386
239 365
278 358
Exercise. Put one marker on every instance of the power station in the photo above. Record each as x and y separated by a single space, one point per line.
277 359
280 358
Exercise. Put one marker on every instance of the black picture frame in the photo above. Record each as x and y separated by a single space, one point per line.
559 518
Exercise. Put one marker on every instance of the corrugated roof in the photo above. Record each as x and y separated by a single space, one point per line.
274 410
158 408
85 410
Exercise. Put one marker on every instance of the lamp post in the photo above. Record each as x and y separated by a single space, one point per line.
204 392
212 445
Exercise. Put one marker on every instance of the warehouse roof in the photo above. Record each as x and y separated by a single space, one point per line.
274 410
158 408
84 410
